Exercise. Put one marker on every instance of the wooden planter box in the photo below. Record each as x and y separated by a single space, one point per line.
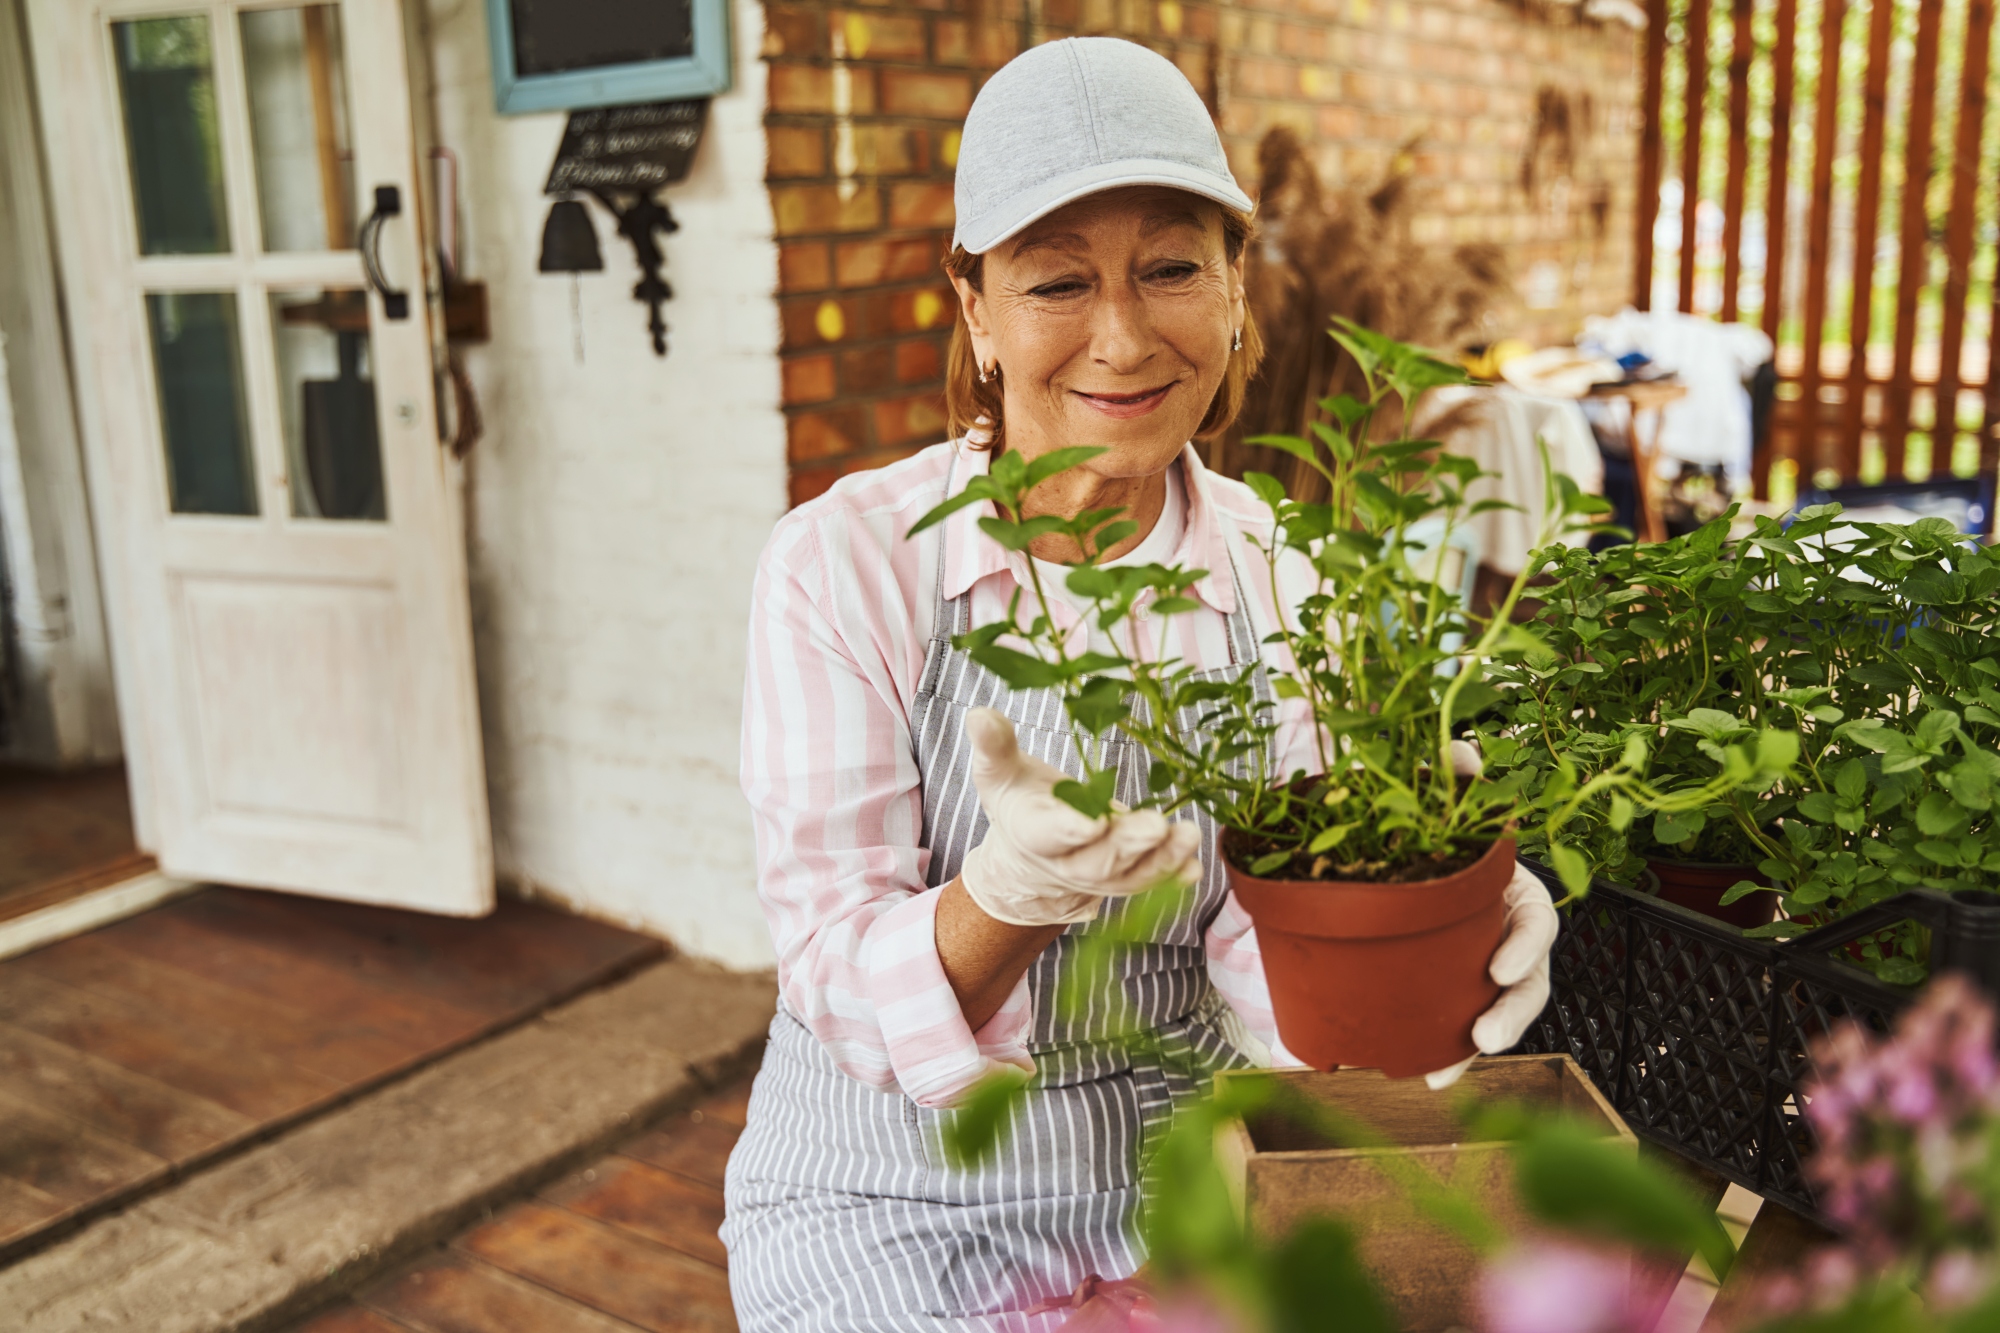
1285 1172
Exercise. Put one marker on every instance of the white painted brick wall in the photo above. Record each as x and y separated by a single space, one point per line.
617 509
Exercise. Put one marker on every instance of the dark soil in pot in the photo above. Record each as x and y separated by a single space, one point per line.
1699 886
1383 976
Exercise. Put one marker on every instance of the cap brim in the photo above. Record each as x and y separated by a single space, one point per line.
1023 209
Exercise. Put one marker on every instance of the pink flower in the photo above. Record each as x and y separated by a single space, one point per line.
1555 1287
1957 1280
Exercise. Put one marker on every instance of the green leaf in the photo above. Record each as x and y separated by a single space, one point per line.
973 1132
1092 797
1265 864
1620 817
1100 705
1817 806
1329 837
940 513
1741 889
1571 867
1018 669
1269 489
1938 816
1316 1270
1020 536
1944 853
1059 460
1673 829
1570 1177
1901 971
1852 780
1110 535
1296 447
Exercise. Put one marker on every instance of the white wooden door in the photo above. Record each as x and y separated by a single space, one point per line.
287 582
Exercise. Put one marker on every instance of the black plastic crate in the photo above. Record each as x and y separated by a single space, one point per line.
1699 1035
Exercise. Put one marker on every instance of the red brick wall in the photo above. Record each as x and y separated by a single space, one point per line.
865 104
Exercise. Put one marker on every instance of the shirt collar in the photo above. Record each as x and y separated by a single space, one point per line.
970 555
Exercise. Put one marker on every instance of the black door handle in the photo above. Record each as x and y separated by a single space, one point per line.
388 204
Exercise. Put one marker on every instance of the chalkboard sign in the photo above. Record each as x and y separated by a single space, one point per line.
564 54
627 147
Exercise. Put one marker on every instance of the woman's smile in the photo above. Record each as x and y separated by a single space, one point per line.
1125 406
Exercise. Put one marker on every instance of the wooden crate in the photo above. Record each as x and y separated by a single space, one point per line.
1284 1171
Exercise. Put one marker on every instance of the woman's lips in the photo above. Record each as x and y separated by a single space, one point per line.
1123 406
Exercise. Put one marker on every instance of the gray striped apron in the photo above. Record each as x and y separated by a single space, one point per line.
843 1213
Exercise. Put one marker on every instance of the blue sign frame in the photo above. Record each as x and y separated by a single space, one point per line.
702 74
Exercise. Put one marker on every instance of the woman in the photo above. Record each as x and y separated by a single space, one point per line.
925 889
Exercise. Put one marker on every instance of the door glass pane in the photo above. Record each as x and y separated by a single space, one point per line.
167 81
332 444
295 69
197 360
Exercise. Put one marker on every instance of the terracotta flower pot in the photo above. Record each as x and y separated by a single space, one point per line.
1382 976
1699 886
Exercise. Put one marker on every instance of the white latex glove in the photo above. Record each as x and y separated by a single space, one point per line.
1044 862
1520 966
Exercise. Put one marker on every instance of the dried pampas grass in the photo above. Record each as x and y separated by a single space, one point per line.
1322 253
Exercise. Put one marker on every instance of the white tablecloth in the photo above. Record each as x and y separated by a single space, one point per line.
1496 426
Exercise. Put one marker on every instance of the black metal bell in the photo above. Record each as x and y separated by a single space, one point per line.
569 241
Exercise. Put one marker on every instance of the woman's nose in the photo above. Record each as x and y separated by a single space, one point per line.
1123 339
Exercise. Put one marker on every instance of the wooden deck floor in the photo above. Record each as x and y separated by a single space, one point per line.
627 1244
138 1051
62 834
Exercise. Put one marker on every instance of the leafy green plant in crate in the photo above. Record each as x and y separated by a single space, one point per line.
1869 643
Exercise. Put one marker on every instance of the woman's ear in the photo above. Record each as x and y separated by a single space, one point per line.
973 303
1239 301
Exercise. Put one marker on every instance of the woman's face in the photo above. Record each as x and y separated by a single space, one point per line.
1111 322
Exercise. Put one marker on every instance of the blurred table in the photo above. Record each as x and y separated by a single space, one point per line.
1647 400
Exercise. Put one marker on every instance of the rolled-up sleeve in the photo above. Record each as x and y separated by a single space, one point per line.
832 780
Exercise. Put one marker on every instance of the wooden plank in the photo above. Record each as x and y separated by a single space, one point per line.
322 987
731 1105
462 1295
1694 51
65 1159
199 1062
1742 51
1914 240
351 1319
1647 207
1777 216
696 1149
339 1047
25 1209
1656 1277
63 889
1867 210
665 1208
603 1267
1959 230
1778 1241
1826 135
131 1108
519 958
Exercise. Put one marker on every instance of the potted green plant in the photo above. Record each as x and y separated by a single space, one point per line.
1375 876
1872 644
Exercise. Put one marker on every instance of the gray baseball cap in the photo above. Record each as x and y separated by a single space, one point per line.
1071 118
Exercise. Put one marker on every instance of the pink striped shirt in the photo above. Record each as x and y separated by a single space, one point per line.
841 617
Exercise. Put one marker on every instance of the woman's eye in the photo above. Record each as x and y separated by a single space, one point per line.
1179 272
1060 287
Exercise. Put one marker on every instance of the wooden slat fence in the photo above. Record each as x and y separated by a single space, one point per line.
1845 146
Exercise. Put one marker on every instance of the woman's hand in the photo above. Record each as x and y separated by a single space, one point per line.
1046 863
1520 966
